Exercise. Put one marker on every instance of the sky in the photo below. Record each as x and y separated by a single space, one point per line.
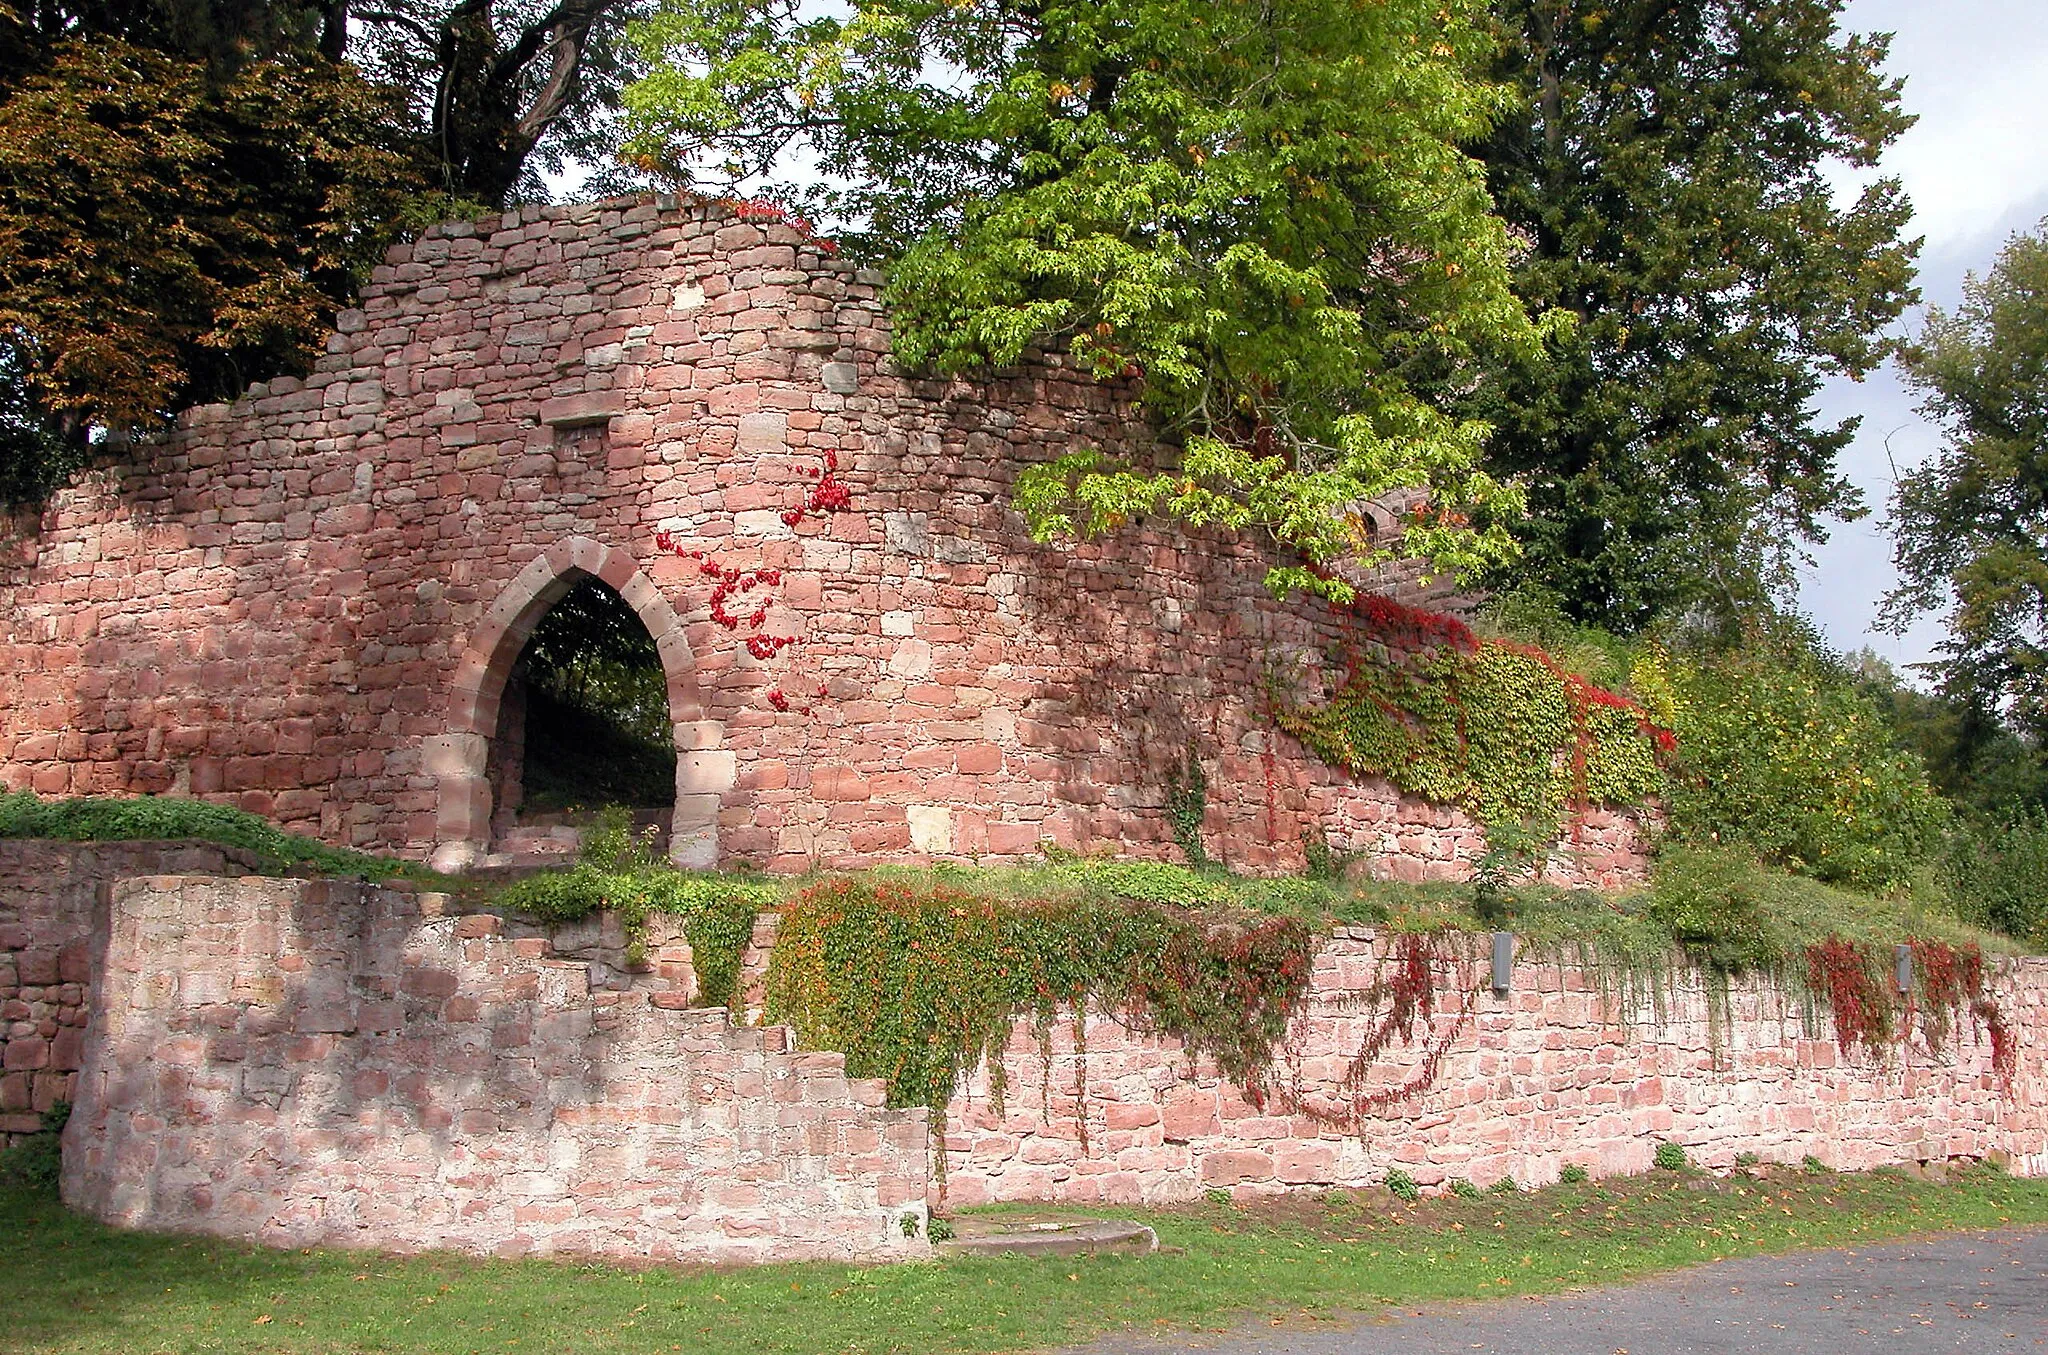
1976 168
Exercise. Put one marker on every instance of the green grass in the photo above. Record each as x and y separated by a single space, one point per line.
70 1286
160 817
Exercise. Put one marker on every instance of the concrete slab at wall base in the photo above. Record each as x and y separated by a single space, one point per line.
320 1063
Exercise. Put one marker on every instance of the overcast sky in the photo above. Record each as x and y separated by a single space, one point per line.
1976 167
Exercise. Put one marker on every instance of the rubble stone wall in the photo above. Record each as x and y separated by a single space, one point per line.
329 1063
303 1062
308 603
1557 1071
52 932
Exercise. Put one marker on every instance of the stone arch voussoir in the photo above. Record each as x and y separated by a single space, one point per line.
704 769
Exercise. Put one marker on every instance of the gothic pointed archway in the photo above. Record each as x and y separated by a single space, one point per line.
458 759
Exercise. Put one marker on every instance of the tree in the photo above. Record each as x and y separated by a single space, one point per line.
1665 164
1972 523
502 91
168 234
496 93
1255 210
222 35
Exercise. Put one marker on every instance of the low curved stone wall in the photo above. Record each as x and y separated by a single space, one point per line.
303 1062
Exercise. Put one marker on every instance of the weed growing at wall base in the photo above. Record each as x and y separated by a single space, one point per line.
34 1163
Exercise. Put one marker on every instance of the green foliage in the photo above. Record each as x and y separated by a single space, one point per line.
1782 754
920 984
1972 523
1402 1186
1670 1157
1747 1160
37 1162
1496 729
1738 914
1974 757
1187 801
1673 169
1573 1174
150 817
617 872
1814 1166
1464 1189
1324 862
1257 214
591 650
1107 879
1505 1186
1997 875
1719 907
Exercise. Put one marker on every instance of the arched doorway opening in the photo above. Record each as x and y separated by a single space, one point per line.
464 761
583 727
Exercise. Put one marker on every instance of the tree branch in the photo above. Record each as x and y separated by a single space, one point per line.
417 29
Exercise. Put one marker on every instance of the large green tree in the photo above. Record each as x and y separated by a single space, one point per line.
1972 523
1257 209
1667 164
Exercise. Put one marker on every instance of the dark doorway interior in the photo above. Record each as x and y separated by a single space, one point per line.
583 724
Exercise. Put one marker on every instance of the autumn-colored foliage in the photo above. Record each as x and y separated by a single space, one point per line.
169 234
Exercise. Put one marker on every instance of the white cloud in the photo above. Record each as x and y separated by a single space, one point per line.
1976 162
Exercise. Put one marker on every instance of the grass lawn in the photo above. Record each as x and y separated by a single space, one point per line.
68 1285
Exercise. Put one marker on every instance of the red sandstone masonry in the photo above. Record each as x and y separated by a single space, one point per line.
300 1062
307 603
1554 1073
52 932
304 1062
1561 1070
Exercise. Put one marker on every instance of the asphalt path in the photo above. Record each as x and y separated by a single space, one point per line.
1980 1293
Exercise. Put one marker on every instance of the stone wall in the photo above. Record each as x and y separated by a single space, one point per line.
301 1062
52 931
308 603
305 1062
1554 1072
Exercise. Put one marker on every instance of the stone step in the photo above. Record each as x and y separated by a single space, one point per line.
612 986
1046 1235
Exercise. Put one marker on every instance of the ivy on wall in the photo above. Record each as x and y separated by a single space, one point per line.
622 873
920 984
1496 728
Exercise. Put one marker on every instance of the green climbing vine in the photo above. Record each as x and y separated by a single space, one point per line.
620 872
1493 727
920 983
1187 801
